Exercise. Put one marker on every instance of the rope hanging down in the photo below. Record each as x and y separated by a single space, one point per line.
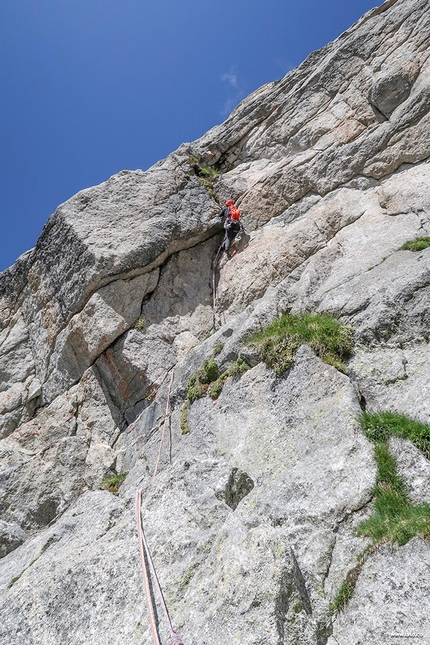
214 268
144 551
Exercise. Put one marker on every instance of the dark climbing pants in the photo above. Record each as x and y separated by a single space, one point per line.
229 238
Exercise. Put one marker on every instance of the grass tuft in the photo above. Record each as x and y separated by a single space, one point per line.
218 349
234 370
209 173
346 590
113 482
140 323
185 428
279 342
205 174
198 384
379 426
395 518
419 244
238 368
215 388
207 382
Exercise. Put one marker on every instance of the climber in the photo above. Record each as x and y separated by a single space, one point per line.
232 224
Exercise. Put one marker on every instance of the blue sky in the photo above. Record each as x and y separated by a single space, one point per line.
90 87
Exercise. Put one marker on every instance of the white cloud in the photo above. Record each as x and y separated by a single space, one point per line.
232 79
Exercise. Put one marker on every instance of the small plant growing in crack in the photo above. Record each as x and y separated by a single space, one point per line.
140 323
207 382
395 519
16 578
419 244
207 183
199 383
218 349
346 590
279 342
206 175
237 368
113 482
185 428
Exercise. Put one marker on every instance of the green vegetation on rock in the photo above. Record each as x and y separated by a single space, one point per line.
279 342
419 244
379 426
205 171
207 382
346 589
395 519
185 428
218 349
140 323
113 482
237 368
198 384
16 578
206 175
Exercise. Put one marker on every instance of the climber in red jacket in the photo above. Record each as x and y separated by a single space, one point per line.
232 223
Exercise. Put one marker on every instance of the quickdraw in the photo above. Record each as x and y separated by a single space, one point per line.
145 557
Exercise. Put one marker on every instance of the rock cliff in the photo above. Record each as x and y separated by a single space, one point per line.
252 517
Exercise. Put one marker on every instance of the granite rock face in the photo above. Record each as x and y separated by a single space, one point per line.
369 617
252 516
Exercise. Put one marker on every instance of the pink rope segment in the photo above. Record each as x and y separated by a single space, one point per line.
144 549
152 621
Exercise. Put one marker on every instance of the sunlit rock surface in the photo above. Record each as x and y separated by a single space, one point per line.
253 513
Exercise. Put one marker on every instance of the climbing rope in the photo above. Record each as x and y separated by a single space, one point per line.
166 417
144 550
214 268
152 622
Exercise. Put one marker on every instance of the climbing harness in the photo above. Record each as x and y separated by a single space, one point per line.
166 417
145 558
